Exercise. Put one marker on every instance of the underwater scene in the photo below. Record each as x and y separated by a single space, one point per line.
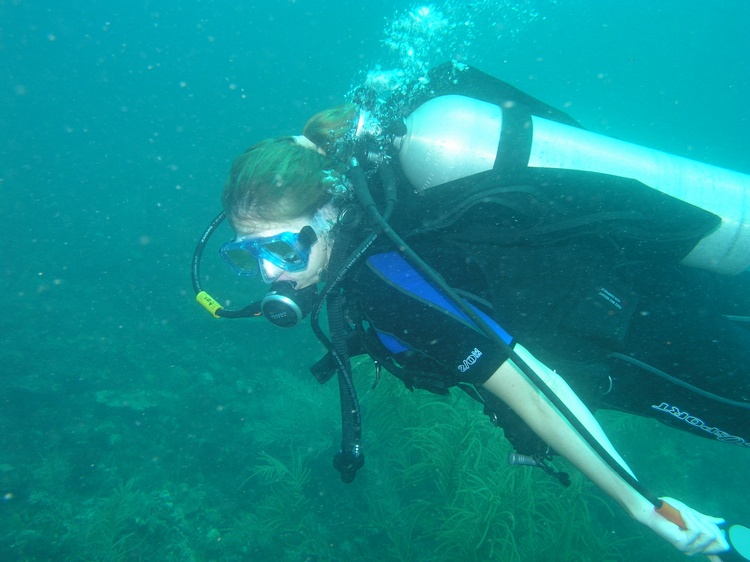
134 426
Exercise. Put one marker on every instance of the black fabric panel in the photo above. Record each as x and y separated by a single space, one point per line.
447 79
554 205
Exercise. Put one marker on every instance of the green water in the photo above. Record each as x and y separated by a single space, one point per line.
133 426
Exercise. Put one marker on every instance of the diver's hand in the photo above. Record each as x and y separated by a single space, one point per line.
702 536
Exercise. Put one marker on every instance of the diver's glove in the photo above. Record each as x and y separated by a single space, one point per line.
701 536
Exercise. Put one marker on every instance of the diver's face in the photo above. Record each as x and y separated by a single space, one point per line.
320 251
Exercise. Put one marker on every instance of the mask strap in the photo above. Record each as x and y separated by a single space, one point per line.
307 237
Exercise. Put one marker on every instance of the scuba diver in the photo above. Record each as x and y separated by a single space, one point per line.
464 234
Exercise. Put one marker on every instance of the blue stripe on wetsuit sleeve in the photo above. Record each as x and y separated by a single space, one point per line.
391 342
395 269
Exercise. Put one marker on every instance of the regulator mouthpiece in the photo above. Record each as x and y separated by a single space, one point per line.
286 306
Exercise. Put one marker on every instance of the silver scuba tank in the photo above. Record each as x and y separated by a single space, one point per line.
451 137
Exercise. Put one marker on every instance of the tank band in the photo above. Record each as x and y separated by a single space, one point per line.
515 143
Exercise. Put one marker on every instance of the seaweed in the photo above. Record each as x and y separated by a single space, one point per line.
112 532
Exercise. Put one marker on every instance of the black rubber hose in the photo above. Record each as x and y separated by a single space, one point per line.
199 247
349 459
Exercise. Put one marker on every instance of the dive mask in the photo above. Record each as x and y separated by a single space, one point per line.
289 251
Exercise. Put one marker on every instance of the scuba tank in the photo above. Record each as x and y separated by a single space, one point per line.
450 137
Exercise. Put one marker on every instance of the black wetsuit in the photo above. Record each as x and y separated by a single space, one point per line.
580 268
641 337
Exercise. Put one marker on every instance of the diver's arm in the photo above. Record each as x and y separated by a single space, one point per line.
566 394
510 385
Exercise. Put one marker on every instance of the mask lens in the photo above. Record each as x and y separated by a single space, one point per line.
283 255
241 260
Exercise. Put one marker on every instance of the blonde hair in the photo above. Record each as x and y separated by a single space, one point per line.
276 180
279 179
327 126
